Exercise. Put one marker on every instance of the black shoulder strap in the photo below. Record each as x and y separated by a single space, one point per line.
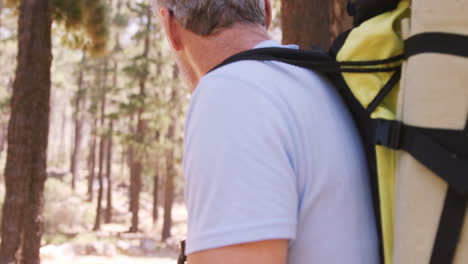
313 60
301 58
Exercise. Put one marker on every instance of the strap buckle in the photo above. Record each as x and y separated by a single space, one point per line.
387 133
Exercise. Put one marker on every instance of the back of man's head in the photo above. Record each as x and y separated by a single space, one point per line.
206 17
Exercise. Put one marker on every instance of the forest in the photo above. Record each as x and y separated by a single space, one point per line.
92 114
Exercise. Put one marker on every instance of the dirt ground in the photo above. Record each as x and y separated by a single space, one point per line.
113 260
166 255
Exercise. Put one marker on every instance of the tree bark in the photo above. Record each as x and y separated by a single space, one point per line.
110 143
102 145
92 162
137 167
130 160
311 23
155 194
1 10
62 146
78 126
169 186
156 184
170 168
3 137
108 214
340 21
25 171
135 189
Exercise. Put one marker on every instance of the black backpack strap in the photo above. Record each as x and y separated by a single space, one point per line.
388 87
444 152
338 43
313 60
450 227
436 42
429 146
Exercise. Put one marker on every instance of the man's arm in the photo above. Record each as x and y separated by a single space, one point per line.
263 252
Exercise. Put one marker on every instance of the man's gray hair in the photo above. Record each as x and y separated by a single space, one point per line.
205 17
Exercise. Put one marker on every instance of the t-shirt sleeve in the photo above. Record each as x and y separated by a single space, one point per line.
238 165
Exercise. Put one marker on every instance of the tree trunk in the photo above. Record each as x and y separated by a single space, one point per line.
169 188
130 159
311 23
102 145
3 137
76 151
123 160
92 162
25 171
155 194
110 143
78 127
135 189
340 21
137 167
108 215
170 168
156 184
62 146
1 10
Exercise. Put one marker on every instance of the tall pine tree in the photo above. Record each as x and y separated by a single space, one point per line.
311 23
25 171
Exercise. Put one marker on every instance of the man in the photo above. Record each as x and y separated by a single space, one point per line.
273 165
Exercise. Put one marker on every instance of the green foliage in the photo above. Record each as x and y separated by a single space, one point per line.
83 16
121 20
87 21
69 11
62 211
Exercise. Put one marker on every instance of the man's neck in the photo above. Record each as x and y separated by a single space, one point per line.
211 51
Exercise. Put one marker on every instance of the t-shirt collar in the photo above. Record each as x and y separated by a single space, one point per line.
271 43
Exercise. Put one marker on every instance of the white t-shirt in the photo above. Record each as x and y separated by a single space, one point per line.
272 153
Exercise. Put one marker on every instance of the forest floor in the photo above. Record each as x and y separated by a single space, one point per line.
159 253
114 260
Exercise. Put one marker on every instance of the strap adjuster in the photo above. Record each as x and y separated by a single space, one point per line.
387 133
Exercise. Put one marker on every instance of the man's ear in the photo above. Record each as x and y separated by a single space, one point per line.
172 28
268 13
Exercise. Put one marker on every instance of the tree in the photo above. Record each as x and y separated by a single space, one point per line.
102 145
25 171
170 169
92 161
156 183
110 143
311 23
137 163
78 120
1 9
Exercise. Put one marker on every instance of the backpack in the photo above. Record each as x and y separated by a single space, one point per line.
365 65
